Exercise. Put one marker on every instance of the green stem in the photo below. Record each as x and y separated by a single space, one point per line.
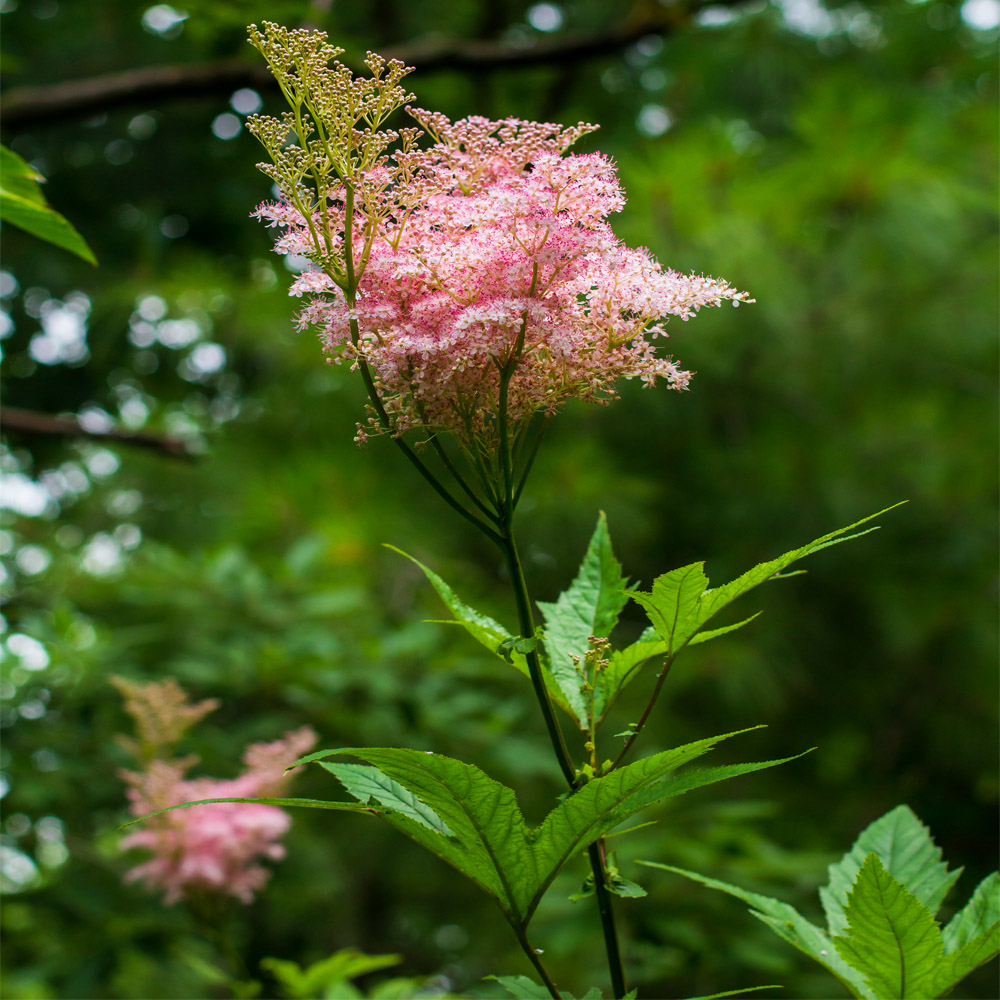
660 678
523 602
595 853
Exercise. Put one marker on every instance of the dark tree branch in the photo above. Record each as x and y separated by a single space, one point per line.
33 423
22 107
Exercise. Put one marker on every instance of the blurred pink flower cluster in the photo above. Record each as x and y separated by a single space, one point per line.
492 252
219 847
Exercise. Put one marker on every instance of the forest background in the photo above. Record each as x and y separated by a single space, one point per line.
838 161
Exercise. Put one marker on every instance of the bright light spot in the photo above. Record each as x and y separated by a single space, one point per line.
122 503
6 324
134 413
31 709
151 307
103 555
175 333
8 285
226 126
653 79
296 263
545 17
95 420
207 358
23 495
246 101
32 559
102 463
142 126
654 120
807 17
29 651
982 15
63 339
715 17
164 20
129 536
174 227
17 870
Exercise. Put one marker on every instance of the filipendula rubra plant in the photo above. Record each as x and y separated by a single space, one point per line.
467 272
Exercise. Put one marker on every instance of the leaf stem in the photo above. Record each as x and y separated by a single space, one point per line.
533 954
660 678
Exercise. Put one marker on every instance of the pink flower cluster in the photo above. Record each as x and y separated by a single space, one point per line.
215 848
494 255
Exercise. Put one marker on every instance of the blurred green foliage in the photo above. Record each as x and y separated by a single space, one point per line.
838 163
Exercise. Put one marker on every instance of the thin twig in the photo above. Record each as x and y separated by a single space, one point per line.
22 107
34 423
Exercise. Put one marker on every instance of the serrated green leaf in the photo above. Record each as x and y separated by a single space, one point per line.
590 606
907 853
603 803
788 924
674 604
489 840
680 602
954 967
22 204
714 633
734 993
978 915
892 939
522 987
486 631
365 782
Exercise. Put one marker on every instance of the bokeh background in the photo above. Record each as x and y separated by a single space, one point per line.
838 161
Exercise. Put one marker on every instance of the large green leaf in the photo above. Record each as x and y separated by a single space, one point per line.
788 924
892 938
486 631
22 204
590 607
474 823
905 850
488 841
981 913
601 804
680 602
